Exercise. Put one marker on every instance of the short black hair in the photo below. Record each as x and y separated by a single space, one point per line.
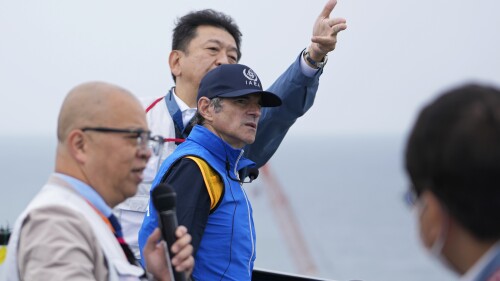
186 26
454 152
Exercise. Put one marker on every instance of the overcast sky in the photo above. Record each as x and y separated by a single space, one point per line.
395 56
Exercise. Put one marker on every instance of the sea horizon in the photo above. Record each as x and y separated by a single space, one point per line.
344 194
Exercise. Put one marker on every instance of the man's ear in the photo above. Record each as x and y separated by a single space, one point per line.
174 62
77 145
433 218
205 109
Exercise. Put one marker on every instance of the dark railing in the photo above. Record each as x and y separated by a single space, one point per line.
267 275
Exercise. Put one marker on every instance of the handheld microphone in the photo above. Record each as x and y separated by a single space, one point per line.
164 201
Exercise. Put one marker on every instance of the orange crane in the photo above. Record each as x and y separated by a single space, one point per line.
289 225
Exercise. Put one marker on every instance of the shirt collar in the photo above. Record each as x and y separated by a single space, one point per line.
87 192
182 105
187 112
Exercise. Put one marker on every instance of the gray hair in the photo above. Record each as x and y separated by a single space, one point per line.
199 119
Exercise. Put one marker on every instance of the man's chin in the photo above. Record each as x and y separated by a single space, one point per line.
130 192
250 140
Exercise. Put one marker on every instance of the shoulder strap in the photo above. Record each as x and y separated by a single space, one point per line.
153 104
212 180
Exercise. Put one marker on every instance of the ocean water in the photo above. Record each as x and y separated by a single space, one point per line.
341 196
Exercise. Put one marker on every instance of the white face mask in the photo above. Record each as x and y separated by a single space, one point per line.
436 249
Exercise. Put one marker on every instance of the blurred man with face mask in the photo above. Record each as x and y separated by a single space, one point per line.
453 161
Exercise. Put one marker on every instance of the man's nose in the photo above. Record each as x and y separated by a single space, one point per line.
255 110
144 153
222 58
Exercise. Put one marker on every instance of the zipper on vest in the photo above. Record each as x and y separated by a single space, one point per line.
248 211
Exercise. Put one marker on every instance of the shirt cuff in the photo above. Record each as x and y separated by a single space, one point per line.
307 70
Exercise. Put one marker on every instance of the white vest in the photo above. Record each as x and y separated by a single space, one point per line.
131 212
53 194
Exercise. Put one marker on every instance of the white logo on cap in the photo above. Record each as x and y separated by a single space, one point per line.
252 77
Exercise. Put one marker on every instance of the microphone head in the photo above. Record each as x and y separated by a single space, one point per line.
163 196
253 173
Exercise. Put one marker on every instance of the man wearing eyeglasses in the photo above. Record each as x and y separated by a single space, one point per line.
452 158
68 231
204 171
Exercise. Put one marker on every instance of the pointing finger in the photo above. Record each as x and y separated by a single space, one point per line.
328 9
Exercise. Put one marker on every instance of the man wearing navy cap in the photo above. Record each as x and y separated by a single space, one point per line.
203 170
201 41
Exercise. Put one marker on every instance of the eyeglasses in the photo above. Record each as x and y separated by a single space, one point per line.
144 138
410 198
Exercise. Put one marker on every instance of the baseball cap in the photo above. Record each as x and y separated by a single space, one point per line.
235 80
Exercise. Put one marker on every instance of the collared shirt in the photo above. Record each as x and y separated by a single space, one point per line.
476 269
88 193
187 112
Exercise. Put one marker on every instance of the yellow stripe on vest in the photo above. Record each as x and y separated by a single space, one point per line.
212 181
3 253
